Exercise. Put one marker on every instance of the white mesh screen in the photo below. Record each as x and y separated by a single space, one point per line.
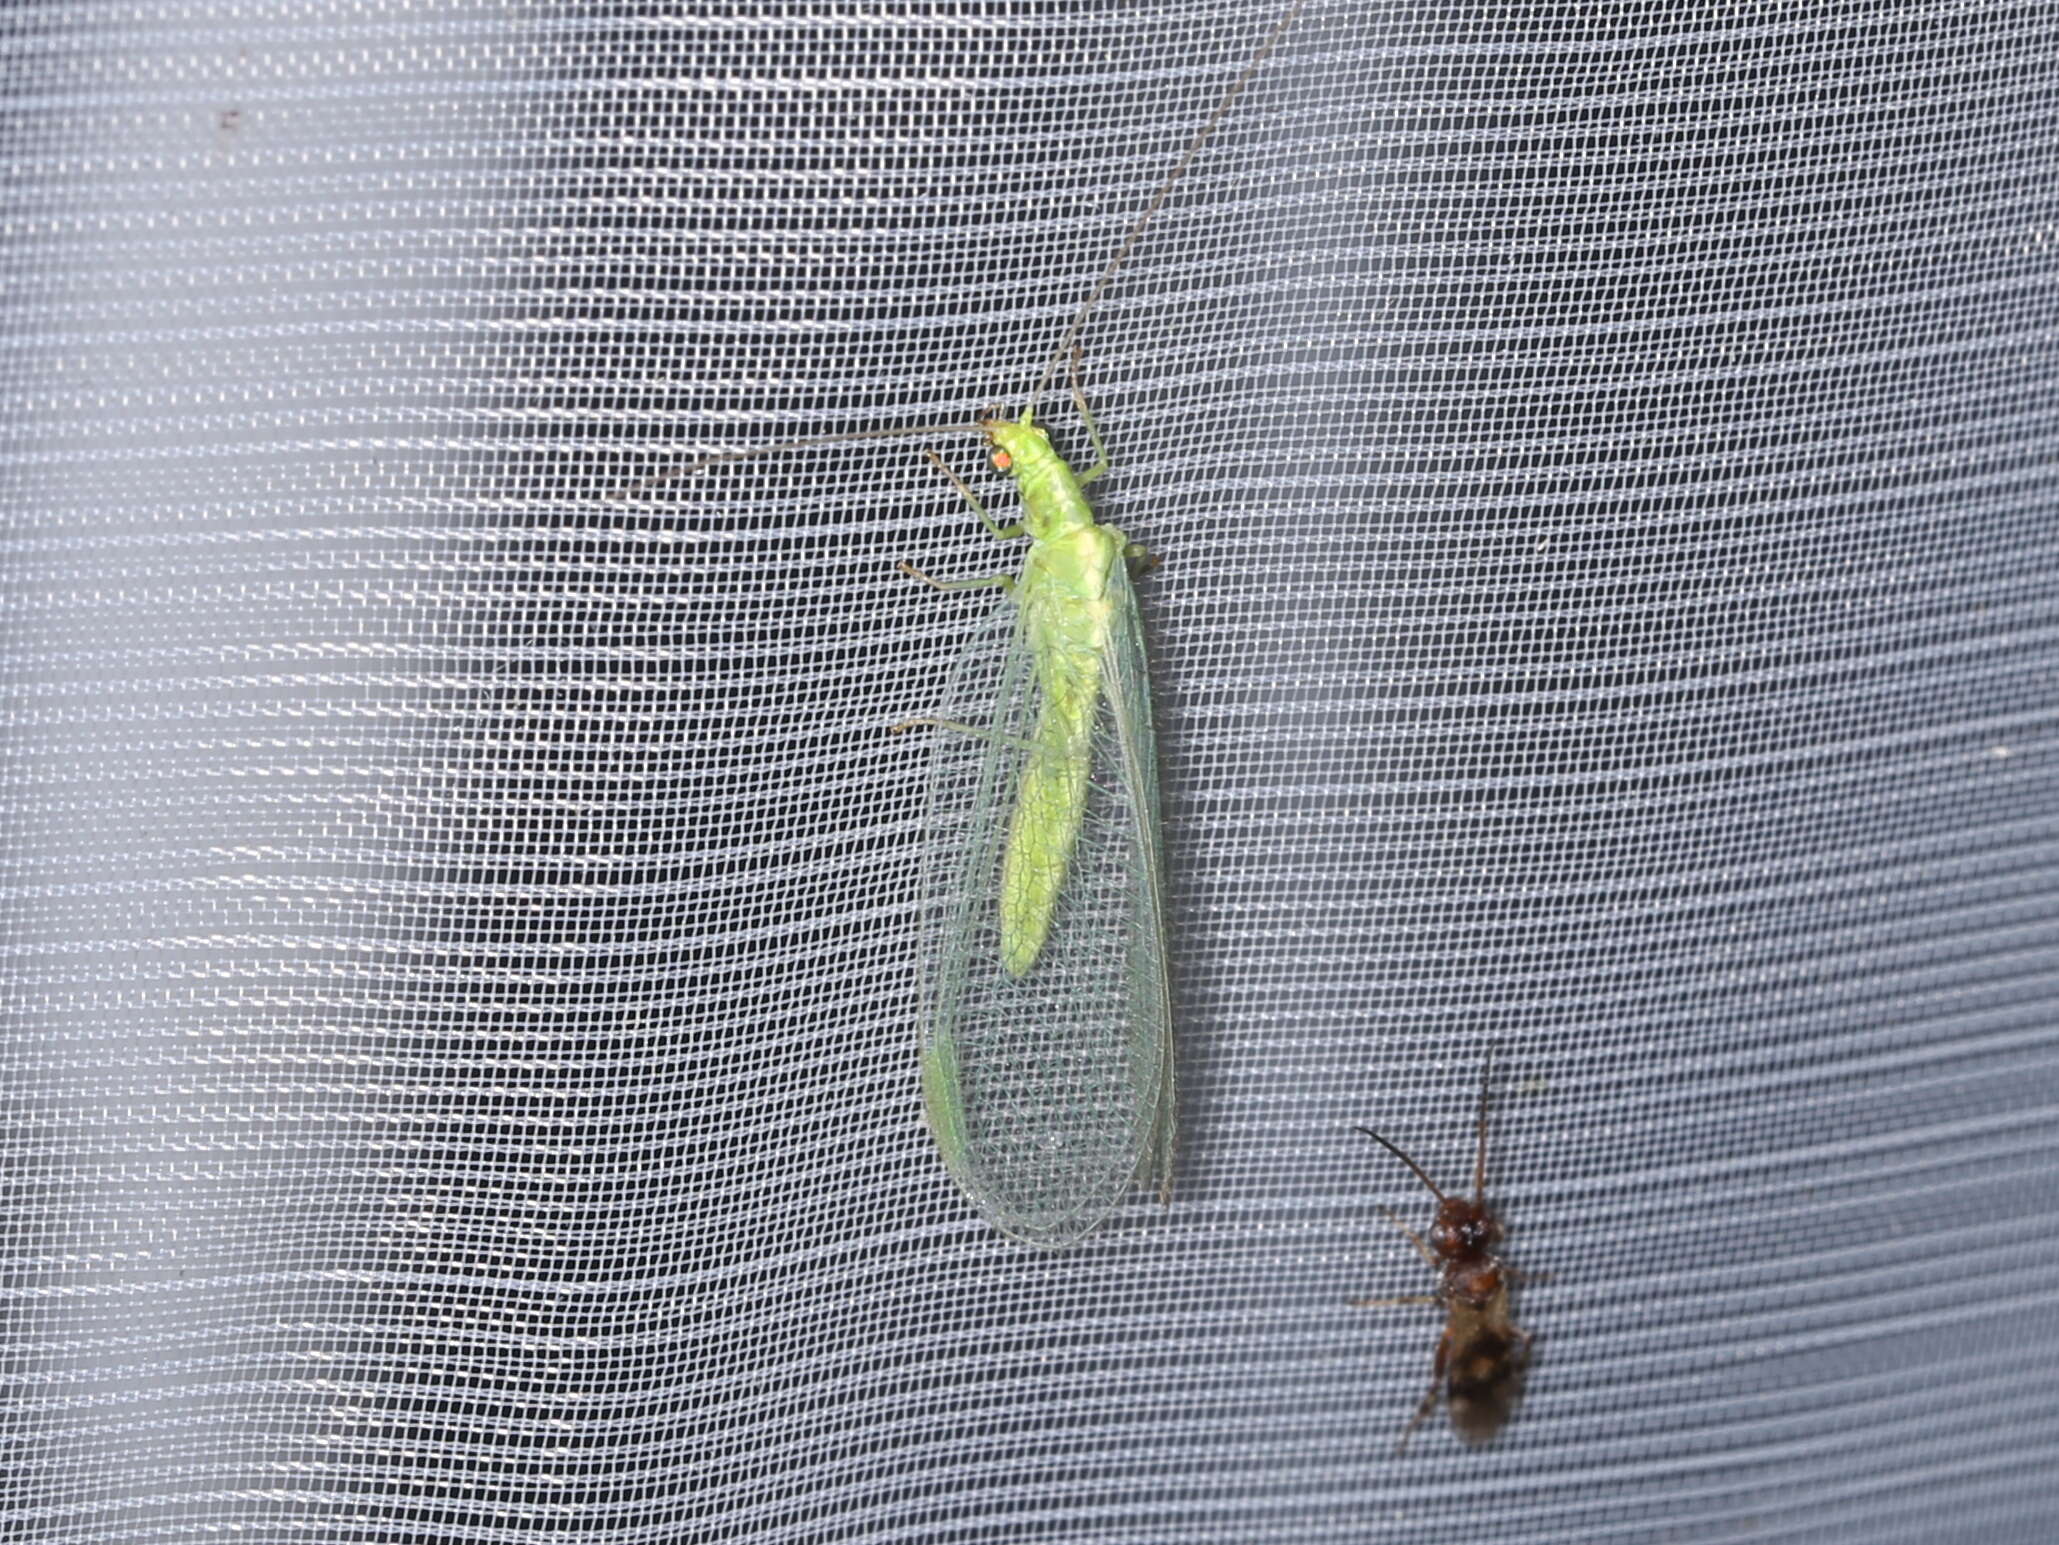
462 942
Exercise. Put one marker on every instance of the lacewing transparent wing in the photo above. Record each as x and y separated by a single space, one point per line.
1050 1094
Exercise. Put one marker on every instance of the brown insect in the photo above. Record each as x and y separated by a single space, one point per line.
1482 1355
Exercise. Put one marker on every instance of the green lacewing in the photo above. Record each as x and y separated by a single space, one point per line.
1047 1052
1047 1045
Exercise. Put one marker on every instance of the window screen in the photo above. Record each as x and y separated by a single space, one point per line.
463 904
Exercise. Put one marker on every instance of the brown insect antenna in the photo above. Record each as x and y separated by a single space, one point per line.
1411 1163
1480 1156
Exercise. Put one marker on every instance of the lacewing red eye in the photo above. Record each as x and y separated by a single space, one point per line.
1002 461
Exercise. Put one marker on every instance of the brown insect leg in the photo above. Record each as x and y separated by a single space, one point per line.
1429 1401
1414 1238
1480 1157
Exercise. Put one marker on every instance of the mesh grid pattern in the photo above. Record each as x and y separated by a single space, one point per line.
462 907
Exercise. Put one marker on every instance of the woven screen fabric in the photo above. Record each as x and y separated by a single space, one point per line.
463 904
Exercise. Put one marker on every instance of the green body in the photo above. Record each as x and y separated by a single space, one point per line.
1047 1059
1068 617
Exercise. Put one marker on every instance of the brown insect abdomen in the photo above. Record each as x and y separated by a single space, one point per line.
1486 1379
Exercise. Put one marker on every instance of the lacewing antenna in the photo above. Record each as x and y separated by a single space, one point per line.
755 451
1072 332
1201 137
